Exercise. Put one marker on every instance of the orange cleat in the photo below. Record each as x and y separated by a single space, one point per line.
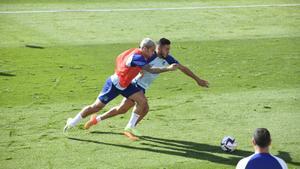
93 121
130 136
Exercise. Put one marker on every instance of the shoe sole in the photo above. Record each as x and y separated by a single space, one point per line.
130 136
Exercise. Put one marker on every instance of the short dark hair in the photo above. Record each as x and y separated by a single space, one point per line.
262 137
164 41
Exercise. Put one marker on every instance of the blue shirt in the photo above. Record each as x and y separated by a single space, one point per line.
261 161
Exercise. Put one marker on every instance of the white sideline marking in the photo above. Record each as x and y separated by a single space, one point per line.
150 9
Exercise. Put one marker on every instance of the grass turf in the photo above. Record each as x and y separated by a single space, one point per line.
250 57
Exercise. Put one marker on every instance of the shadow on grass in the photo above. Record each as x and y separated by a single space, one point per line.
187 149
4 73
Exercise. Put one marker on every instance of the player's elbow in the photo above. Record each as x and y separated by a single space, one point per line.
154 71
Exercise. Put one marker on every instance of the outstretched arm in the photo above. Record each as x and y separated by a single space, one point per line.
189 73
156 70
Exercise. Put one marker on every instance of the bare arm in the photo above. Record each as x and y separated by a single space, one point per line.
156 70
189 73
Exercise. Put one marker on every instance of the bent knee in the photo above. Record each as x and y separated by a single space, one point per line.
146 108
143 102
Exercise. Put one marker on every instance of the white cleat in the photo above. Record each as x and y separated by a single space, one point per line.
67 126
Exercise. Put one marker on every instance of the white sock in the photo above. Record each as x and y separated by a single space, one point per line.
133 119
98 118
76 120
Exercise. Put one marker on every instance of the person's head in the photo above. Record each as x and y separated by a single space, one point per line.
147 46
164 46
261 139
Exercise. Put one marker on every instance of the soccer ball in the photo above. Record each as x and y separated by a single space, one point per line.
228 144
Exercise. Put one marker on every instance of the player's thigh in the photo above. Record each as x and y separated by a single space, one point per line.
98 104
125 105
134 93
139 97
108 93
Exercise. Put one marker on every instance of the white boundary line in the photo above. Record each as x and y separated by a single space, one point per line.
150 9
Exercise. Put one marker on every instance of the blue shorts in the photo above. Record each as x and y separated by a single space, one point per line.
109 91
140 87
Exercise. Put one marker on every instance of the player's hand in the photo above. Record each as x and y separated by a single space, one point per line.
203 83
173 67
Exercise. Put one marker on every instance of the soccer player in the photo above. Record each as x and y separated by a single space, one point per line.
161 59
128 65
261 159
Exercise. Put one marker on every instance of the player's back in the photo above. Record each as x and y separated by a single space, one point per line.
128 65
261 161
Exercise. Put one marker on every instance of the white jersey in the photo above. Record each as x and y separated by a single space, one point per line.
145 78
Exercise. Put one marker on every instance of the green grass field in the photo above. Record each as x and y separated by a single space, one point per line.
250 56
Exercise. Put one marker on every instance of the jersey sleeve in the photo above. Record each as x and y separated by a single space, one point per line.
136 60
170 59
242 163
281 162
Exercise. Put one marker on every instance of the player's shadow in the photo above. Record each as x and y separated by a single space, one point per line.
287 158
3 73
187 149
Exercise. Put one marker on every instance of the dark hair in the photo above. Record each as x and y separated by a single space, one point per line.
262 137
164 41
